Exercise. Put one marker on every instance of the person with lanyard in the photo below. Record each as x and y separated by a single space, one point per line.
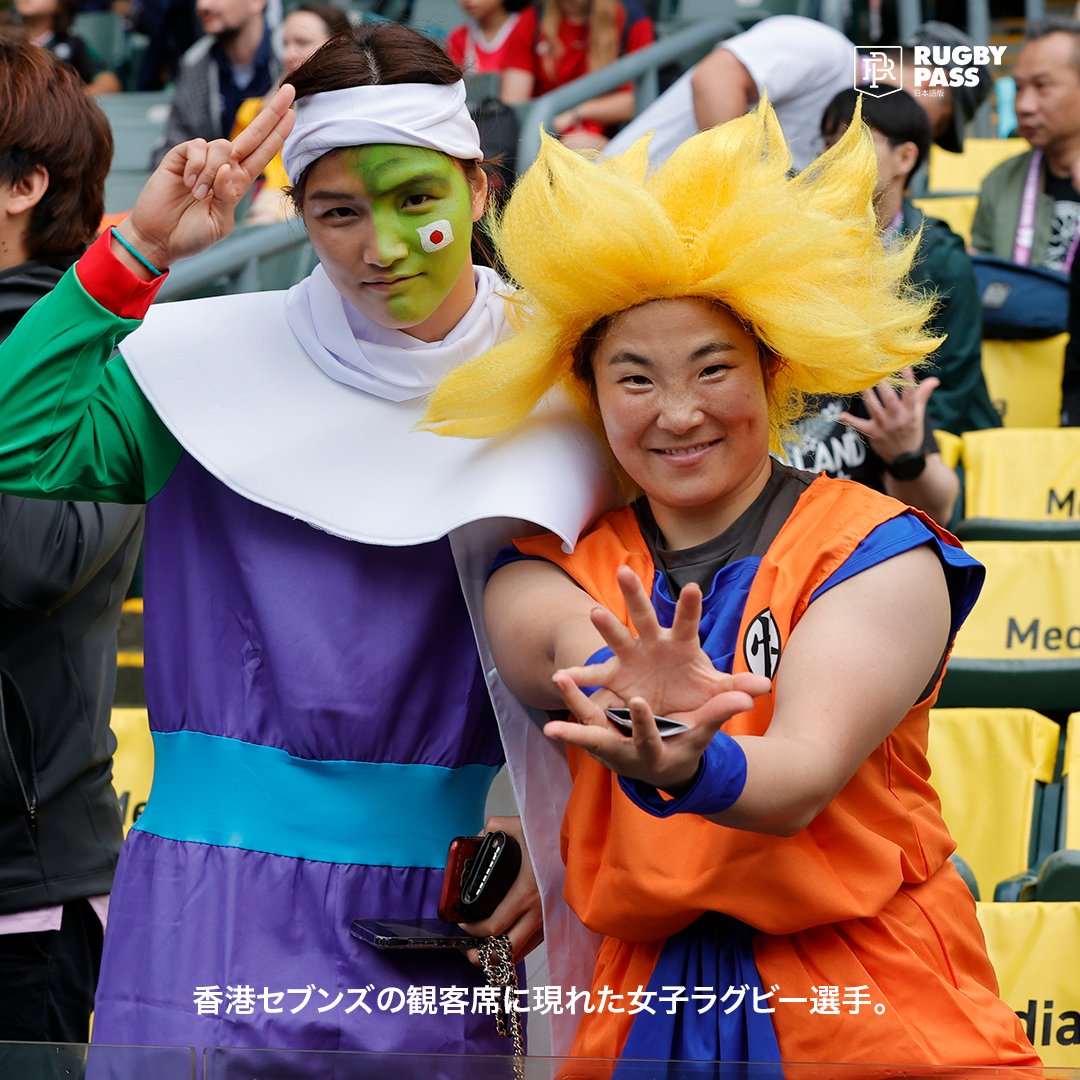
320 711
737 875
1029 208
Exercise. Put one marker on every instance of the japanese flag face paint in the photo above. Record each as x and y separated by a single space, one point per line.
437 235
392 226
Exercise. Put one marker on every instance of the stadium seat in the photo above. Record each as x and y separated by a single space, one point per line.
958 174
949 446
1021 483
957 211
137 120
104 34
1024 379
1058 876
1035 950
133 761
990 768
436 17
1020 645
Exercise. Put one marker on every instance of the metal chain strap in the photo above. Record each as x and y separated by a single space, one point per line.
497 960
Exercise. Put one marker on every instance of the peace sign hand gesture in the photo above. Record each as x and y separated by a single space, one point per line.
189 201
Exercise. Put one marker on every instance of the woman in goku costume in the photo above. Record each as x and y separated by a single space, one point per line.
786 853
320 711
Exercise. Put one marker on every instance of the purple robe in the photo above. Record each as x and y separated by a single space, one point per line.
265 636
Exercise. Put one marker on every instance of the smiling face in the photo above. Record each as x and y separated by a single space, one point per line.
392 227
681 391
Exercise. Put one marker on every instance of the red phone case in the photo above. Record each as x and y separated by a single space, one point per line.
463 850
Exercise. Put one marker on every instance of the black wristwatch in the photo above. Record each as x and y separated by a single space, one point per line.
907 466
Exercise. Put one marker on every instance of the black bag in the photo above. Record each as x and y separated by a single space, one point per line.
1021 301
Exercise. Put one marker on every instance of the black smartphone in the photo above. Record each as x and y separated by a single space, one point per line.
665 725
420 934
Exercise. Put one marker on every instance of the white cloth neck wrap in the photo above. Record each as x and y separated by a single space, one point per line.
400 114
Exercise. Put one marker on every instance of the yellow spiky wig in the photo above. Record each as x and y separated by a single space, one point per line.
799 260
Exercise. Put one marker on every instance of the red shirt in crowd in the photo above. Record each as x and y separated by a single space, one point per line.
465 45
526 49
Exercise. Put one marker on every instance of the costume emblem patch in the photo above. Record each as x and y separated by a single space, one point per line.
435 235
761 645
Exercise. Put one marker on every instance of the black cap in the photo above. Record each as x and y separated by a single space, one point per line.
965 99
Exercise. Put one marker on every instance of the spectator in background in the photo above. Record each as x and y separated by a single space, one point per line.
480 45
800 63
883 438
48 24
306 27
233 61
171 28
64 570
562 40
1029 206
901 131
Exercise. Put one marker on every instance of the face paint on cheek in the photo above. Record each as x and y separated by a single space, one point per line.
437 235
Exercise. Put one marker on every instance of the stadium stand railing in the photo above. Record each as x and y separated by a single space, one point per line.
252 258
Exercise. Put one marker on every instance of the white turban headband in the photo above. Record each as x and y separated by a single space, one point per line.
401 114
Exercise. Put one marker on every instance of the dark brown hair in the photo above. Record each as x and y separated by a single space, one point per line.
372 54
66 10
49 120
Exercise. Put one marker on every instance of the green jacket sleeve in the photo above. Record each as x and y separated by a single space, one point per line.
73 424
961 403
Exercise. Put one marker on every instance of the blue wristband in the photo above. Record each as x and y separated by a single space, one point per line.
135 254
598 657
719 782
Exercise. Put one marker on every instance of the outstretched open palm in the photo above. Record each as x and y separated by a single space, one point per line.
657 670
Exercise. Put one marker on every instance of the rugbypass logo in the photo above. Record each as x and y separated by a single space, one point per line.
879 69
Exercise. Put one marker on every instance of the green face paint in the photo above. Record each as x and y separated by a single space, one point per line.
420 208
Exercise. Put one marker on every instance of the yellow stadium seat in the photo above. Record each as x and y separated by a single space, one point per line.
957 173
1058 875
1024 379
990 767
133 761
1035 950
957 211
949 446
1021 643
1021 483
